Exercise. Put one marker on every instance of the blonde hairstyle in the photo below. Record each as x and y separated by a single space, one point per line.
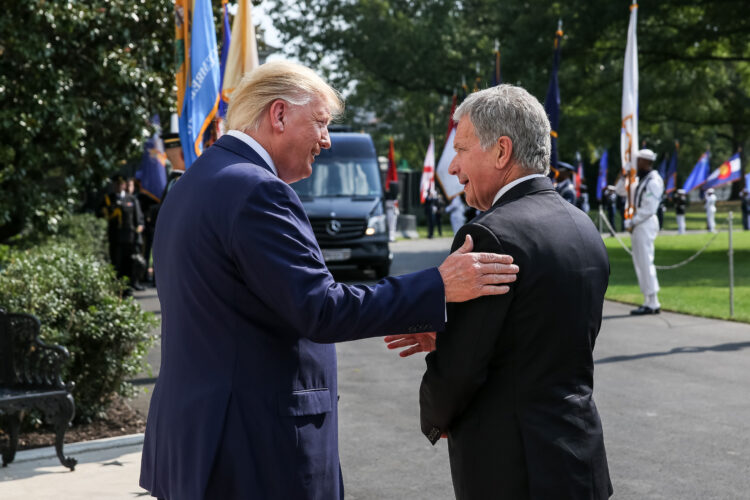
294 83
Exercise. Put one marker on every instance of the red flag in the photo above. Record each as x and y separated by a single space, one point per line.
427 183
579 178
392 175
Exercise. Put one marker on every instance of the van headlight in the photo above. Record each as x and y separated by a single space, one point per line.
376 225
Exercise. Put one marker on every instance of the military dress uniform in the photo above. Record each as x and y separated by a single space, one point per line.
645 226
680 205
124 215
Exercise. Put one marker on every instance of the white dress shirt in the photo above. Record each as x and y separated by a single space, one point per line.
256 147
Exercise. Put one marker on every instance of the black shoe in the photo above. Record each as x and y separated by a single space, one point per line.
139 287
644 310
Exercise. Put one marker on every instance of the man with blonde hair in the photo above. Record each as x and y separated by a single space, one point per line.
246 401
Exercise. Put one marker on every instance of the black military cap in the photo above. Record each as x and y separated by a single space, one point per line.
561 165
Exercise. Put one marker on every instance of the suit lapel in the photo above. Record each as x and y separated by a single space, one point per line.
236 146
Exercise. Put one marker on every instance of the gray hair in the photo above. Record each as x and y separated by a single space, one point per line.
507 110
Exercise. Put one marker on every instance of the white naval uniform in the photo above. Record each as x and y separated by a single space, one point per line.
645 225
711 212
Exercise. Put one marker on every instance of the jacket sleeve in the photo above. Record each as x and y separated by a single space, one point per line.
649 203
278 258
457 369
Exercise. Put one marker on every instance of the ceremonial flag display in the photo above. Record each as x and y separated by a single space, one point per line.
698 175
729 171
552 100
747 181
201 96
392 174
601 182
151 172
243 51
451 185
496 77
579 175
663 168
226 41
671 180
427 183
629 125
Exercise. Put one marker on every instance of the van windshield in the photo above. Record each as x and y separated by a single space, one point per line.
340 177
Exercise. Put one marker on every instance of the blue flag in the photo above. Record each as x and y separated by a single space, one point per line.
671 179
747 182
225 42
151 172
601 182
202 96
552 101
729 171
663 168
698 175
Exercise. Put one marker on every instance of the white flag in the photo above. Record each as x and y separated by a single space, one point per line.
629 130
629 127
449 182
243 51
427 184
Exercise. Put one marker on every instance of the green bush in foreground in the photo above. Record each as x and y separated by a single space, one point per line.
77 298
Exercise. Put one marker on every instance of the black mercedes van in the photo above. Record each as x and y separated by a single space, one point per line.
344 201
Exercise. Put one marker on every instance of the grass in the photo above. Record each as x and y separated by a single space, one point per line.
699 288
695 218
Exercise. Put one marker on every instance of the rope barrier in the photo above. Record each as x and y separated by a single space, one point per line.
662 268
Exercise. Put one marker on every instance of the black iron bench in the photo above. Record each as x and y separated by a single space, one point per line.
30 379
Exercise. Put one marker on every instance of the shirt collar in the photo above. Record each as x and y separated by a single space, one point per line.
509 185
256 147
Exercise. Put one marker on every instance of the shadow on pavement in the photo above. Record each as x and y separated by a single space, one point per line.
733 346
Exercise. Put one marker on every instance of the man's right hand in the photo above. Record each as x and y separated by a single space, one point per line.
468 275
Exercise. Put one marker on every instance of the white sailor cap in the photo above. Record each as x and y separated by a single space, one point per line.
647 154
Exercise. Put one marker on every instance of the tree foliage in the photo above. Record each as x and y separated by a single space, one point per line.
402 60
78 82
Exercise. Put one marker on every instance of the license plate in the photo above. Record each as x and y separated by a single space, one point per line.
337 254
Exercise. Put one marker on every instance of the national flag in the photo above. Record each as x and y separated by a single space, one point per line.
699 173
391 175
201 99
747 182
601 182
243 51
152 169
552 101
729 171
182 14
496 76
226 41
663 168
629 116
427 183
450 183
671 180
579 175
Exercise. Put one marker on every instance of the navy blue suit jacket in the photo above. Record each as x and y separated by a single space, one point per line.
245 405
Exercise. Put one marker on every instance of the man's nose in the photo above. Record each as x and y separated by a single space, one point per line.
453 167
325 141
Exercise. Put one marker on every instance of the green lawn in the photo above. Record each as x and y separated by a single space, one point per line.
701 287
695 218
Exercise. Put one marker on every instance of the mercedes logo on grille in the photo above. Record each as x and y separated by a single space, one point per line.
333 227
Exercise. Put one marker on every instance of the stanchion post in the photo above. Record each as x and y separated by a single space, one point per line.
731 269
601 229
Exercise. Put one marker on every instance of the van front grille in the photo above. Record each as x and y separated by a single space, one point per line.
325 229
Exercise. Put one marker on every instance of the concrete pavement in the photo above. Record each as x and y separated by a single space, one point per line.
672 391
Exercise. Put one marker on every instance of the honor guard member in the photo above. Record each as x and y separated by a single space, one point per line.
645 226
680 206
609 199
565 186
745 204
711 210
125 225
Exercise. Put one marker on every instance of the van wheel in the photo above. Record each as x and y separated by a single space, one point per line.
382 270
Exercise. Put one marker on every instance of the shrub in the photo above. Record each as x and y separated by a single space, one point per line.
78 299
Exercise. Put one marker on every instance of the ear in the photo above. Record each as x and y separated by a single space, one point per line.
277 114
504 149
